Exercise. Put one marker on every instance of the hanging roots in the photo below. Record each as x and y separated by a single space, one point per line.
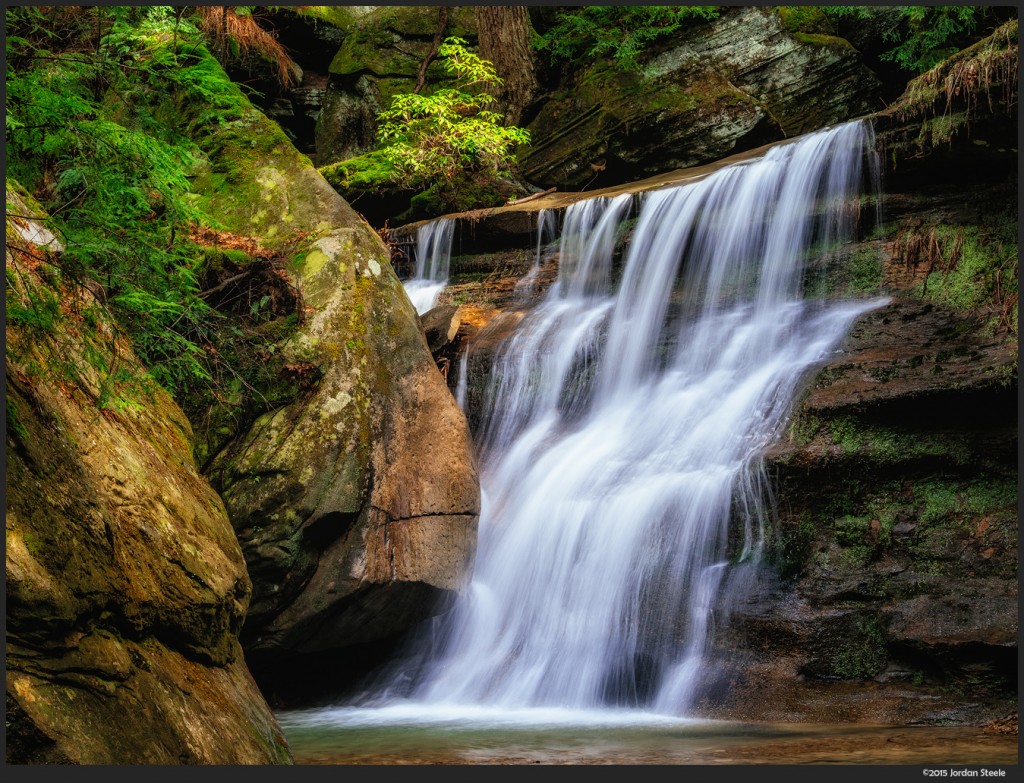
960 79
400 260
916 246
225 29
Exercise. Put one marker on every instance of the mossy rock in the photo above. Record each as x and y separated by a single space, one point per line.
303 529
380 58
630 125
311 485
738 82
253 181
126 587
339 16
394 40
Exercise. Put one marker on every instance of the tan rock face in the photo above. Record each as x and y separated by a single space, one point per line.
367 485
356 505
126 588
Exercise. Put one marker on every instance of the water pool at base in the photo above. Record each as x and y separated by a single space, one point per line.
395 735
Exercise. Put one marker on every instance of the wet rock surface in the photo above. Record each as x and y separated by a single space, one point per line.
895 538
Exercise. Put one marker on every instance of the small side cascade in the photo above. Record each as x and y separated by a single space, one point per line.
547 233
433 259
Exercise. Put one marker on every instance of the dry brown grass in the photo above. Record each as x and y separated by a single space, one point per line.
224 27
923 250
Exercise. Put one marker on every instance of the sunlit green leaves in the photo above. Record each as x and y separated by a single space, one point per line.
449 133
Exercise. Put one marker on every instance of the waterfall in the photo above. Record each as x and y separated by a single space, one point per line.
622 433
547 227
433 256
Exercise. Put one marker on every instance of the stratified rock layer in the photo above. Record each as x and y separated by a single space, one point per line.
721 87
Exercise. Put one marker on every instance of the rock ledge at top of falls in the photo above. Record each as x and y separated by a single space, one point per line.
519 219
126 587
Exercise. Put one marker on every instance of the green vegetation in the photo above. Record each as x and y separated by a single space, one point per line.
446 144
922 36
930 36
866 267
865 656
14 423
103 104
113 181
806 19
985 273
620 32
449 140
972 269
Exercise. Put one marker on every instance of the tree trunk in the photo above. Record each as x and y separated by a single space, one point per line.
442 23
504 36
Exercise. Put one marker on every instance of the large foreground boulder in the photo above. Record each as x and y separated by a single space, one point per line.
356 504
126 587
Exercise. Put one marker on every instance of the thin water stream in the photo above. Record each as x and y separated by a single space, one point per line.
433 256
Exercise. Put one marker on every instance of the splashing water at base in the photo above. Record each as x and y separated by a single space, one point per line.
621 442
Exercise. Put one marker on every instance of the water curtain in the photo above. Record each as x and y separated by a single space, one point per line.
622 434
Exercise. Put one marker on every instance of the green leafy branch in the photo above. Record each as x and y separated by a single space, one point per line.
449 134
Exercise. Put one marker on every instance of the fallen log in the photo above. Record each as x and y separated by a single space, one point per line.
531 197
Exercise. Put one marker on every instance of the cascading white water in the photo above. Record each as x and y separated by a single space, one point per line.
547 227
622 434
433 257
